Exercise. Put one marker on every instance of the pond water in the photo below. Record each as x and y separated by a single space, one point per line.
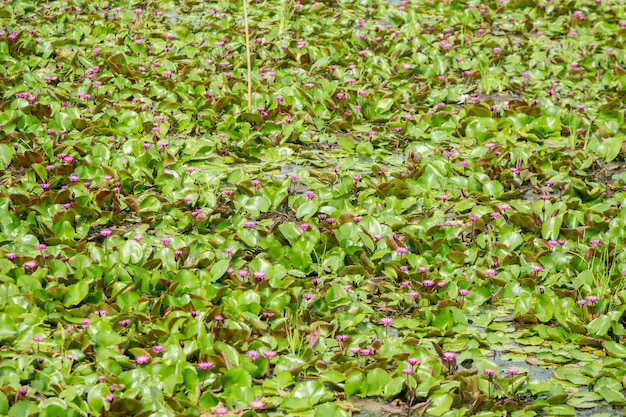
373 408
369 407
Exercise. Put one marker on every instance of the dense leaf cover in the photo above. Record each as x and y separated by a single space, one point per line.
422 203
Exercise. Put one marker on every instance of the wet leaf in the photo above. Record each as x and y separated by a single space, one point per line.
306 395
600 326
353 383
76 293
614 349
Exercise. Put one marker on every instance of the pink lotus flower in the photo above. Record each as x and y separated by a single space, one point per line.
204 366
257 405
142 359
386 321
511 371
220 411
269 354
30 265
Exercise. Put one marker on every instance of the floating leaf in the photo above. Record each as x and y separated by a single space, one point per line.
614 349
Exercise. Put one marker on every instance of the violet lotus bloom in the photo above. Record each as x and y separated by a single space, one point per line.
30 265
257 405
205 366
142 359
269 354
386 321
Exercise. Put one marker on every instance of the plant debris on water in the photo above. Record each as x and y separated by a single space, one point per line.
416 209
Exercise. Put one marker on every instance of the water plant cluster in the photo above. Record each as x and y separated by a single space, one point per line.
419 202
